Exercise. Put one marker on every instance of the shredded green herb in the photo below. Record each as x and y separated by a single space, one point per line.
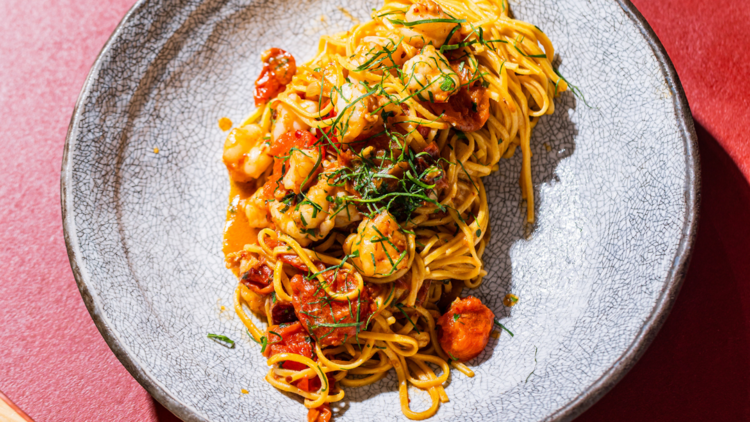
400 308
222 338
574 89
503 327
532 372
277 334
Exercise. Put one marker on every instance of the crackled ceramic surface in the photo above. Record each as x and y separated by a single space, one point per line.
616 184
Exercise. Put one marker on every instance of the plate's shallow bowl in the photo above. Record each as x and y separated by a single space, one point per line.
616 182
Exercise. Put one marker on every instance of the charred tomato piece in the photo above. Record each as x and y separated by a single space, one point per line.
464 330
289 338
330 321
278 69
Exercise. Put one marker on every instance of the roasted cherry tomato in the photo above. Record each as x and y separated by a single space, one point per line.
329 321
289 338
259 279
320 414
464 330
467 110
278 69
298 138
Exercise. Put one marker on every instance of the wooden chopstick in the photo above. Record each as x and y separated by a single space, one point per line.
9 412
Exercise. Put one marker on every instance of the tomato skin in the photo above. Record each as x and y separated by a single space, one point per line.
294 339
279 148
312 308
294 260
278 69
424 131
320 414
299 138
464 337
467 110
259 279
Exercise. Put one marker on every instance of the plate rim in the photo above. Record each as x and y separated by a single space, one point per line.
568 412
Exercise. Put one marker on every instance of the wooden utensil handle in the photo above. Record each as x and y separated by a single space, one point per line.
9 412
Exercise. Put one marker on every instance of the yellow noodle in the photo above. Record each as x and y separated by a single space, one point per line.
445 236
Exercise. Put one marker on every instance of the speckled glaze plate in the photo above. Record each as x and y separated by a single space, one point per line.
617 186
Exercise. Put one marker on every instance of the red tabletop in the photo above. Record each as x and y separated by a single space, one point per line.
56 366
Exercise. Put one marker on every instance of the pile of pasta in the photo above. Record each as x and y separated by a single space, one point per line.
358 213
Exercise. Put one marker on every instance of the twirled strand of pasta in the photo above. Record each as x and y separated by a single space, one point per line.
357 209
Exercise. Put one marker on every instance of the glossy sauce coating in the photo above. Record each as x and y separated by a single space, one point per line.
237 232
464 330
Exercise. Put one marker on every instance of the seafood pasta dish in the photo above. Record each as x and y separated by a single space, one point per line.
357 213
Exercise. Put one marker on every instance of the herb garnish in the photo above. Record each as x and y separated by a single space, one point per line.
574 89
279 335
527 378
399 306
229 342
504 327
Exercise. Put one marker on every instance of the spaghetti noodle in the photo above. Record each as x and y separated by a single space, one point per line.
357 211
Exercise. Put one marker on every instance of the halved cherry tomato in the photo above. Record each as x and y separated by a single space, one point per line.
259 278
465 329
312 384
289 338
467 110
278 69
299 138
320 414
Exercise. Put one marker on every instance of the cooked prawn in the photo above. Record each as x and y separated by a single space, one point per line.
354 107
380 246
256 210
301 164
382 52
278 69
246 154
430 76
344 215
435 33
308 220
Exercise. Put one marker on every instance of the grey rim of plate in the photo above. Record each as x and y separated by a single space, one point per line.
573 408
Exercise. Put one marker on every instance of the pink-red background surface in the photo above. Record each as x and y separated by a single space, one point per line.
56 366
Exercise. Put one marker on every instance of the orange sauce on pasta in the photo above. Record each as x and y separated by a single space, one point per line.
237 233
